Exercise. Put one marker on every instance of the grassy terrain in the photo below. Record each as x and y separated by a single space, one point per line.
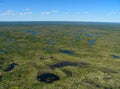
91 59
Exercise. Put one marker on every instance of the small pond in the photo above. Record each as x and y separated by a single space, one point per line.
68 63
10 67
92 42
47 77
66 52
2 51
115 56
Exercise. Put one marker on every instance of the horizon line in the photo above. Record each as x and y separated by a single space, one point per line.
60 21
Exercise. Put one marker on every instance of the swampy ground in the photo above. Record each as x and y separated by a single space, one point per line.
60 56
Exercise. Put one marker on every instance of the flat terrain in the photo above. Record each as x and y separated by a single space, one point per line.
60 56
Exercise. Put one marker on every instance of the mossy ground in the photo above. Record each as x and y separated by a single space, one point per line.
30 43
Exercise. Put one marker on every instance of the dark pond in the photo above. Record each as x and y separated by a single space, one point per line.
66 52
47 77
67 63
10 67
92 42
115 56
45 58
2 51
0 76
108 87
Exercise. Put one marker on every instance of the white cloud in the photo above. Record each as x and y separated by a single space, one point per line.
113 13
76 13
27 9
25 13
9 12
13 13
45 13
48 12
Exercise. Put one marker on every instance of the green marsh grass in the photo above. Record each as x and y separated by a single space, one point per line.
26 50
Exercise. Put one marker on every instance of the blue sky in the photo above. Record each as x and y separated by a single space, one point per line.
60 10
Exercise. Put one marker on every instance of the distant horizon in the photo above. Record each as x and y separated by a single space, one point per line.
60 10
63 21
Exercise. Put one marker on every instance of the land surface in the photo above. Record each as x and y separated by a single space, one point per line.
59 55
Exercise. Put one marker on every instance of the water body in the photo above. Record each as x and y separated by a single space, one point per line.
10 67
2 51
115 56
66 52
92 42
0 77
68 63
48 78
0 66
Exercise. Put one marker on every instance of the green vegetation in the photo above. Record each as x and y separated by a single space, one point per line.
89 56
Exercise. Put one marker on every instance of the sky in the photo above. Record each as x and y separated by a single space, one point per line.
60 10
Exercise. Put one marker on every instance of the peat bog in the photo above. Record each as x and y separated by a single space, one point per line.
60 56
